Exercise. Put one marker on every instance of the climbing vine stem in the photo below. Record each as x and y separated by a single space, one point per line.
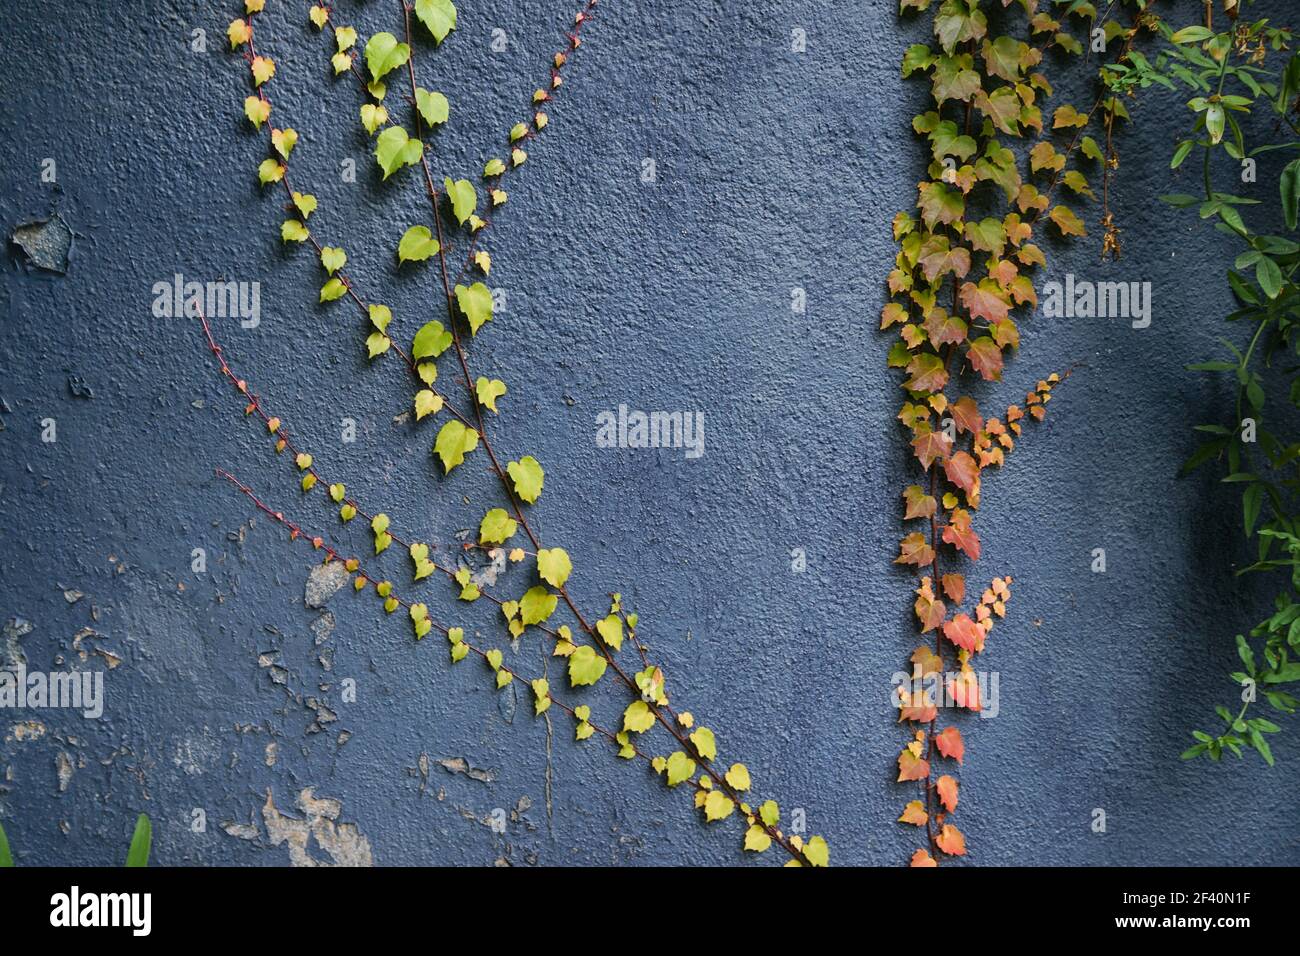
466 307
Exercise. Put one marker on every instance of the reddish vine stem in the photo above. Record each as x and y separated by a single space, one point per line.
296 532
507 487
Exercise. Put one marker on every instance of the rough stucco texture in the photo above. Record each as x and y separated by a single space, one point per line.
775 170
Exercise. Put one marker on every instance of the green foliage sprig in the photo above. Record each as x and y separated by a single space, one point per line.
137 855
590 646
1243 69
962 274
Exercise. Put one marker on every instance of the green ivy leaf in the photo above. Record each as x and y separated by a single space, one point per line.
496 527
141 842
489 391
586 667
333 259
373 116
476 302
416 245
394 149
293 231
433 106
528 476
536 605
463 196
769 813
431 341
438 17
380 316
680 767
638 718
377 343
705 743
554 566
494 167
384 54
454 441
718 806
333 289
610 629
427 402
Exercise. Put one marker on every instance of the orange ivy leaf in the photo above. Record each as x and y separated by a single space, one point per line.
927 660
919 504
958 533
922 858
986 358
891 313
947 787
931 445
954 585
1067 221
914 549
945 329
911 765
951 841
963 471
929 610
914 813
984 301
964 632
966 415
950 743
928 374
965 689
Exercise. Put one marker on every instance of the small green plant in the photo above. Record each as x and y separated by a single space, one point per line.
1242 70
137 855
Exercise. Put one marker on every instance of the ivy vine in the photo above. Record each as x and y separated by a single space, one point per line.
461 210
962 275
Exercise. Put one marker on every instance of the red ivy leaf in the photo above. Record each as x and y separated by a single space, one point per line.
963 471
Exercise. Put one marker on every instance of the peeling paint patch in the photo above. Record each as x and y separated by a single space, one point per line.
65 769
343 842
47 243
27 730
461 765
323 583
15 629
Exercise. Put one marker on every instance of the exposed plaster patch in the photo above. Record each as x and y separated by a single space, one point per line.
461 765
65 769
46 243
15 629
323 583
27 730
343 842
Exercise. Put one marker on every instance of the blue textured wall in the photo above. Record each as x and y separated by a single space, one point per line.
775 169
